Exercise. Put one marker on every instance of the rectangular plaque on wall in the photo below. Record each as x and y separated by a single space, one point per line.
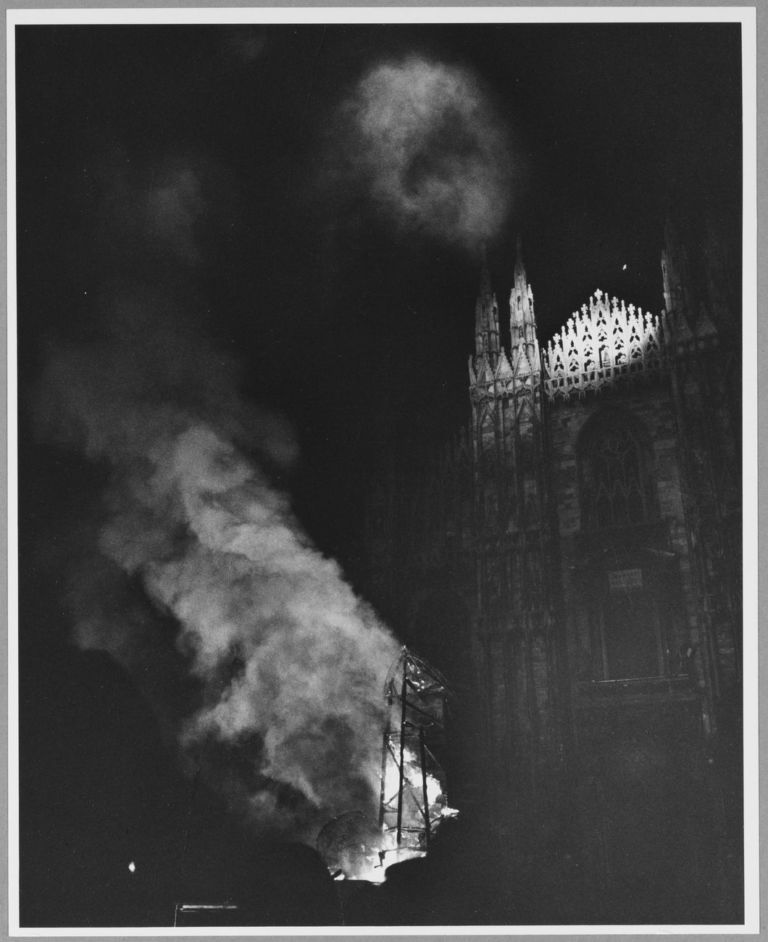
622 579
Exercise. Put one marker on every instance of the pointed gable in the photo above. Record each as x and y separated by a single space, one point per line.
603 342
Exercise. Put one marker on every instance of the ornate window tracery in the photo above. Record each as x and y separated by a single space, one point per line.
617 487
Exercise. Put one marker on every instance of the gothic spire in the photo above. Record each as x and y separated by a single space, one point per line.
521 296
486 317
674 269
524 347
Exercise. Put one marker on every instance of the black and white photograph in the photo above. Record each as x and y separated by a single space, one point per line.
380 425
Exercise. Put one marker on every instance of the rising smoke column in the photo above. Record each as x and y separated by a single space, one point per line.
286 663
285 651
424 142
189 568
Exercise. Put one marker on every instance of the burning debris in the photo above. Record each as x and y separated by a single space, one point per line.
413 787
413 800
351 845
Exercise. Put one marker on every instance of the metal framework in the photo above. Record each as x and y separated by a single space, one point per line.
413 800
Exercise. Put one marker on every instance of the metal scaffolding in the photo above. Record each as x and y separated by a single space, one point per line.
413 800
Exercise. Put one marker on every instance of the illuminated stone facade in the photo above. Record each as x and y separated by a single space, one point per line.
572 561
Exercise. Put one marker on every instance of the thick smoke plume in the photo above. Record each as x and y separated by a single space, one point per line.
286 664
425 143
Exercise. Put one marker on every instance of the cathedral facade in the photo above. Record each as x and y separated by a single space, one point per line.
572 563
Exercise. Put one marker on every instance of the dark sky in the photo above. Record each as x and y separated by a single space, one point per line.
207 200
355 327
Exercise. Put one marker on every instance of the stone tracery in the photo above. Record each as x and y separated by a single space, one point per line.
605 341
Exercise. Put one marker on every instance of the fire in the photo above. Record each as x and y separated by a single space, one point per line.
368 859
413 800
413 776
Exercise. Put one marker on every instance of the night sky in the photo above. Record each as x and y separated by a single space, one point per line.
290 218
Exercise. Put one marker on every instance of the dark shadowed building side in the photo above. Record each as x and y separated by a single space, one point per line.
572 563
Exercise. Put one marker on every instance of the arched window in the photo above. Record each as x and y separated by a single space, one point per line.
616 480
618 492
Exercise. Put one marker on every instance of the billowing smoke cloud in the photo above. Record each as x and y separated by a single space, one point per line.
289 664
199 578
425 142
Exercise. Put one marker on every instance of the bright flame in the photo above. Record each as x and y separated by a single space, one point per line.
413 802
132 867
366 857
412 776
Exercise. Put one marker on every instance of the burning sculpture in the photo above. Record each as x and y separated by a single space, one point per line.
413 791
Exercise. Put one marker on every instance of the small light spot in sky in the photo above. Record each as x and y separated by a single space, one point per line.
624 267
132 867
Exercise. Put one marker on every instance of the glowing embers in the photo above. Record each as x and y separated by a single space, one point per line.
413 799
608 341
351 846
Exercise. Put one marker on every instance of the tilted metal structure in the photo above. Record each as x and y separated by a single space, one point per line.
413 800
